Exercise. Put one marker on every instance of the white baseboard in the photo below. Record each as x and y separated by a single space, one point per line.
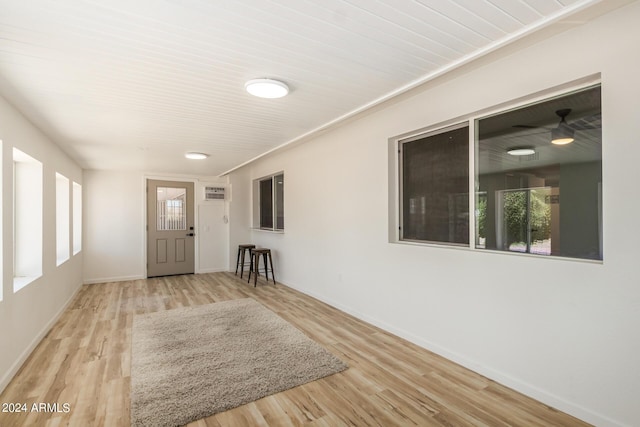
210 270
525 388
8 376
127 278
112 279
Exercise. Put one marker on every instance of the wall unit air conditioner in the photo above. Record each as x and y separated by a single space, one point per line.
214 193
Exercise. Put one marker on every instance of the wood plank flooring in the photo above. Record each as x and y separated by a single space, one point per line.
85 361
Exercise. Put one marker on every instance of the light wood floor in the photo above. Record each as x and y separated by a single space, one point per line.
85 361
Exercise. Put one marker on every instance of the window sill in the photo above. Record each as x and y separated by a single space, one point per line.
456 246
21 282
495 252
265 230
540 256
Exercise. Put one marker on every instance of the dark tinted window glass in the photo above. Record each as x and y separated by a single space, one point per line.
266 203
435 187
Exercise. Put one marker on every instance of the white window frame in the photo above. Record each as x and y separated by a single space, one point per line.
256 225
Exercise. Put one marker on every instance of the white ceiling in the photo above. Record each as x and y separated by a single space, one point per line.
133 84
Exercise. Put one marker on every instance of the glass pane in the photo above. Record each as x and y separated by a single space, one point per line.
515 220
481 218
279 182
539 207
266 203
171 211
546 200
526 220
435 187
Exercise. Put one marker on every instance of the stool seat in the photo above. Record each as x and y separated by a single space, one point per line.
240 261
254 264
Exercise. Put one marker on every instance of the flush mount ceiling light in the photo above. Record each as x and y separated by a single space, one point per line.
521 151
195 156
266 88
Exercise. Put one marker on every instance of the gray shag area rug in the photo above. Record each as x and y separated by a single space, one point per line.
190 363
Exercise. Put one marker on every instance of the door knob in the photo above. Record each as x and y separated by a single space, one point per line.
191 234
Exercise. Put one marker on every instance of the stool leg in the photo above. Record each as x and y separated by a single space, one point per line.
273 276
266 270
241 263
238 261
250 265
255 278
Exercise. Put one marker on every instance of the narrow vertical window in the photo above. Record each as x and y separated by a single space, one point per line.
27 219
268 203
435 187
77 218
62 218
278 183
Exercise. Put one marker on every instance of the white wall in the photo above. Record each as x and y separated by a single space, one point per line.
27 315
113 241
562 331
239 214
114 232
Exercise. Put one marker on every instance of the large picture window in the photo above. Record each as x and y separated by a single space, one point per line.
435 186
537 171
539 177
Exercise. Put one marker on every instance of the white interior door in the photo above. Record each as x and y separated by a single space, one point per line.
170 228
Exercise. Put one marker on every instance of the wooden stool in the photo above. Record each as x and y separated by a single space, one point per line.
254 254
240 261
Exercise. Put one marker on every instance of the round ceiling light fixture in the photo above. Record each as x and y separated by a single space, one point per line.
266 88
192 155
521 151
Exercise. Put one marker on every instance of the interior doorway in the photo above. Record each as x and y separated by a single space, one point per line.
170 228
